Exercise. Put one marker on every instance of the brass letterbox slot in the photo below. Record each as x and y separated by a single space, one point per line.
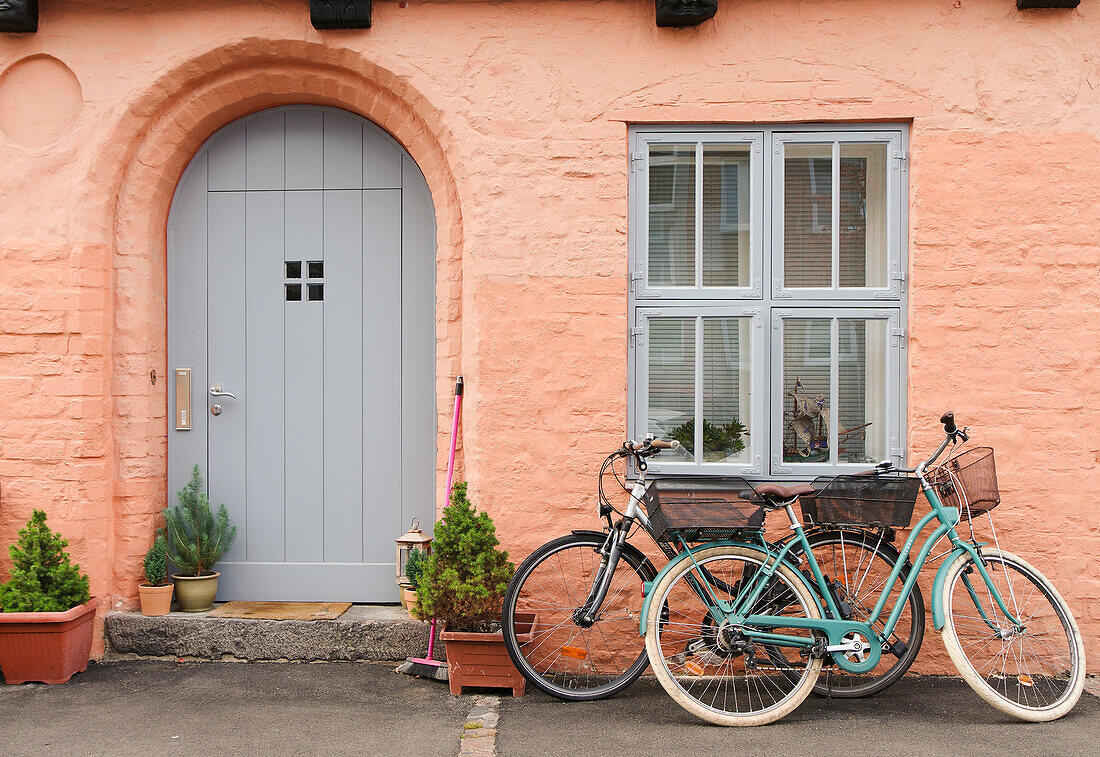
183 399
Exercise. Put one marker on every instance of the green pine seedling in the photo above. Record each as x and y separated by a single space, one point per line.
466 576
196 539
414 567
156 562
42 577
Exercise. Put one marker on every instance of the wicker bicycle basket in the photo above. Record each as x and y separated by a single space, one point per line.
700 509
865 500
968 481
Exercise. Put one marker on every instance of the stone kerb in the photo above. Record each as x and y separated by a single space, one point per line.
143 160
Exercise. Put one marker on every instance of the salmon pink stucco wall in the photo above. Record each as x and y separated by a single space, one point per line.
517 113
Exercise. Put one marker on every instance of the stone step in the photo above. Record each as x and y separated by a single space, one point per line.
364 632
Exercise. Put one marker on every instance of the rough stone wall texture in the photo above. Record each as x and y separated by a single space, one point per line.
517 114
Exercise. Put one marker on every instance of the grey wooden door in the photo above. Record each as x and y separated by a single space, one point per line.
302 279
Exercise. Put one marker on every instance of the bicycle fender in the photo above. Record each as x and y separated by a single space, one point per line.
646 564
938 584
674 562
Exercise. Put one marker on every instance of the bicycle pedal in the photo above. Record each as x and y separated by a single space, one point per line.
898 648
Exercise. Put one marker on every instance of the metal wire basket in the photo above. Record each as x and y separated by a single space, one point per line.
700 509
864 500
968 481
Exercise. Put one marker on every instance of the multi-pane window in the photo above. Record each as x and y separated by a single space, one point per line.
767 301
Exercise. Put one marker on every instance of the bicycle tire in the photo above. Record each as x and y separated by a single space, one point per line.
561 658
860 562
1048 655
714 673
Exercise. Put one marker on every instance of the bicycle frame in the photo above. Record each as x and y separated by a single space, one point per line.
834 628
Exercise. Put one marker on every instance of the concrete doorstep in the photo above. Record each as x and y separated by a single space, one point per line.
364 632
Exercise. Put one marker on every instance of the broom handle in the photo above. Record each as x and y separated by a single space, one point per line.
454 436
450 481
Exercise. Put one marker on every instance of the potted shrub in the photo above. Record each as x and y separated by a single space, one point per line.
48 615
414 569
463 584
196 540
156 592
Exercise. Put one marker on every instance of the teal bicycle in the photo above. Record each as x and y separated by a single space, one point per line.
737 632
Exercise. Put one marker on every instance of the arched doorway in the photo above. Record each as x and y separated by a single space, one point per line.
301 279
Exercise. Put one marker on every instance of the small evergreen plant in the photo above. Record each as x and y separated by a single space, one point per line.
414 567
716 437
42 577
464 580
195 538
156 562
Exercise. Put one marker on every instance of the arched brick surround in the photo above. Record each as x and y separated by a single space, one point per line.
151 145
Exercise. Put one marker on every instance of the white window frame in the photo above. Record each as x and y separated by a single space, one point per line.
670 463
772 301
640 210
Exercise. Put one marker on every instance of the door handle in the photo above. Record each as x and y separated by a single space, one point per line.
216 391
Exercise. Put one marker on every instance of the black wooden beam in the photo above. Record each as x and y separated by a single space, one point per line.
339 14
18 15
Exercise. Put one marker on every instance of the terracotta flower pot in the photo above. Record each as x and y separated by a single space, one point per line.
155 600
46 646
481 659
408 598
196 593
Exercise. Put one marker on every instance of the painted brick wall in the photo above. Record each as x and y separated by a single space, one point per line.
517 114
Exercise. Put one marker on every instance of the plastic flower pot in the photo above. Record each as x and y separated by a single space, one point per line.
46 646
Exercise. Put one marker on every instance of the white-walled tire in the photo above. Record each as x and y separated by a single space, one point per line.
704 668
1036 675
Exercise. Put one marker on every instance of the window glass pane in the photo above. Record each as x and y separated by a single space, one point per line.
727 399
726 192
807 215
672 215
671 375
863 169
862 391
806 390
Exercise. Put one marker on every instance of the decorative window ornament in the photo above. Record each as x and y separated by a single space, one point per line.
338 14
18 15
684 12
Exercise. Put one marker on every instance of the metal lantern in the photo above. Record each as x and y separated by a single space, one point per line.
413 540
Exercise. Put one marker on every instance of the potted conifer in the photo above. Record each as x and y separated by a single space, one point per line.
196 540
48 614
463 584
414 569
156 592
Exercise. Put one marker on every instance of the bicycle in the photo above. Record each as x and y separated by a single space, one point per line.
1006 628
586 644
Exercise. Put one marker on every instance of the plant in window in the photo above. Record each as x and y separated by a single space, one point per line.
721 440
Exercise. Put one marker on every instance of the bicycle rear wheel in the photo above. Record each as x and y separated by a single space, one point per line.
1035 673
713 670
859 563
560 656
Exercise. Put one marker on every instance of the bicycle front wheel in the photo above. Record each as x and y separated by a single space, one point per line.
858 564
1035 672
713 670
556 654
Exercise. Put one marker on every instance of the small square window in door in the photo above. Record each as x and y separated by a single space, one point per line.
293 292
293 269
316 292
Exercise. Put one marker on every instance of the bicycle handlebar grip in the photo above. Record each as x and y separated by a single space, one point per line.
662 444
948 421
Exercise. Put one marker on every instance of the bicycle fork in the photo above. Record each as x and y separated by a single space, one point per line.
610 552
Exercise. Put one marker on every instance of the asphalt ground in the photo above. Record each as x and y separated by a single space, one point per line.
208 708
